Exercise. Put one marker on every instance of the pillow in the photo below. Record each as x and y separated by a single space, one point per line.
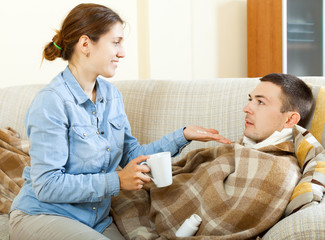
315 124
311 158
308 222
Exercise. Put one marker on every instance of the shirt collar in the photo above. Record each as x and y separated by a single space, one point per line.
99 89
76 90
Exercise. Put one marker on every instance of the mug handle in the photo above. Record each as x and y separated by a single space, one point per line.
145 163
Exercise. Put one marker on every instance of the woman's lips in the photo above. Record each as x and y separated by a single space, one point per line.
115 63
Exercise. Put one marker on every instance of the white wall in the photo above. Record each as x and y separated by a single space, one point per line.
197 39
185 39
26 26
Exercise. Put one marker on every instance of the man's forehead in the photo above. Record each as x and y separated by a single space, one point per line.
267 90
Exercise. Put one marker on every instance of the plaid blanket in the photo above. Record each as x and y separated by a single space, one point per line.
13 159
237 191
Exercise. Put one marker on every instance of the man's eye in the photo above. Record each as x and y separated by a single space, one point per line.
260 102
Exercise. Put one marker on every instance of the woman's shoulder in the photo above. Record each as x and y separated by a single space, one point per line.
56 89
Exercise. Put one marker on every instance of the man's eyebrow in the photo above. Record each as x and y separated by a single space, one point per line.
258 96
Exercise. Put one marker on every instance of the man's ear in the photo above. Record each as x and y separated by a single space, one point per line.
293 119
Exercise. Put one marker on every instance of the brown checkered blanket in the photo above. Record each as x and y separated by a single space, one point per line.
13 159
238 192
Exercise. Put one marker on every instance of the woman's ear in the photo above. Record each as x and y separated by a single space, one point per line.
293 119
83 44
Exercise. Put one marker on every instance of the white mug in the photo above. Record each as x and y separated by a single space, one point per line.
161 168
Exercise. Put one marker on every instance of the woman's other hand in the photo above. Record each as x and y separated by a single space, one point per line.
204 134
132 177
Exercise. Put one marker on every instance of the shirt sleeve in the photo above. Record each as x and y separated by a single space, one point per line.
47 125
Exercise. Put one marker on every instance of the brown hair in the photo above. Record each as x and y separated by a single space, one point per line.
296 95
90 19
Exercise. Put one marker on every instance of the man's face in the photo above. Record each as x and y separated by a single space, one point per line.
263 116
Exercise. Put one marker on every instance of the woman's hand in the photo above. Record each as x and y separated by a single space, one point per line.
204 135
132 177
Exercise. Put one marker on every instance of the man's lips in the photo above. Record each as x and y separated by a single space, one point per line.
248 122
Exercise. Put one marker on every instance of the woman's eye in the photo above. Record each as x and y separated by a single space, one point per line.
116 43
260 102
249 99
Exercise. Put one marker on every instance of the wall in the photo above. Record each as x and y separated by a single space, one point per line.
199 41
165 39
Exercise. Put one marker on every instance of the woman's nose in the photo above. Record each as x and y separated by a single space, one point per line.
121 53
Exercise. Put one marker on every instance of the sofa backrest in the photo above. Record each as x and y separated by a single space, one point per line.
14 102
155 108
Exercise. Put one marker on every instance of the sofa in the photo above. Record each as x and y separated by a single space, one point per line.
158 107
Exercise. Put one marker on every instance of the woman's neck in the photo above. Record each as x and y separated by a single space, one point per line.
86 80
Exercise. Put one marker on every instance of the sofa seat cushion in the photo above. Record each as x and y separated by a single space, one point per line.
4 234
307 223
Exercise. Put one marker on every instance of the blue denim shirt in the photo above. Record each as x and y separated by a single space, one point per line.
76 146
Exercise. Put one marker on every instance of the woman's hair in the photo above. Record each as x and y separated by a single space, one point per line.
92 20
296 95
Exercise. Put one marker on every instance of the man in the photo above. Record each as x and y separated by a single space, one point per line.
278 103
239 190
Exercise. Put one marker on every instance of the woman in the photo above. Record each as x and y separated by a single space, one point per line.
79 134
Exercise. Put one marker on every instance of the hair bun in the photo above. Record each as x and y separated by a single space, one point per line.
53 49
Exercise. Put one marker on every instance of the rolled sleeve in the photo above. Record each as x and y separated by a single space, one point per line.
180 141
113 183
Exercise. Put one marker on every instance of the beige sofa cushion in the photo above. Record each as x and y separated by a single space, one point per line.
155 108
14 102
307 223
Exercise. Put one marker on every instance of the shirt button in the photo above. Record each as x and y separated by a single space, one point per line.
103 170
94 112
97 132
84 134
108 149
94 208
118 125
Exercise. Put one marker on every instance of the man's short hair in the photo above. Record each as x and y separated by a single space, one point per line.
296 95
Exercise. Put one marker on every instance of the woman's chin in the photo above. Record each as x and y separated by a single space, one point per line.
108 74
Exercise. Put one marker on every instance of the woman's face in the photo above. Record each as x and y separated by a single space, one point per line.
104 55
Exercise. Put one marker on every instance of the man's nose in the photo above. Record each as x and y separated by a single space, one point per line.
247 108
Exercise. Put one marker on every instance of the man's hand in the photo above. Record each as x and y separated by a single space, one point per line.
204 135
132 177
